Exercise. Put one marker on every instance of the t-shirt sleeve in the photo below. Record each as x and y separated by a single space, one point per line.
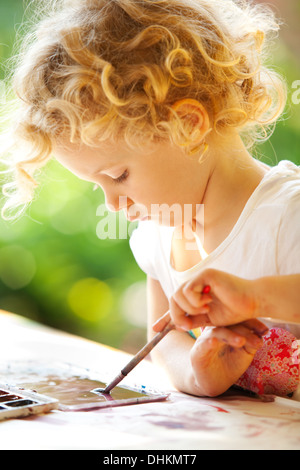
143 244
288 254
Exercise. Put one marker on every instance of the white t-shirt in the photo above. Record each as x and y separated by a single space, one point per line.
265 240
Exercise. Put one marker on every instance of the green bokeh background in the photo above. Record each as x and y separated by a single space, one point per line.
53 266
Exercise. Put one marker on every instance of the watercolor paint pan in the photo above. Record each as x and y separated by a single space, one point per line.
77 392
124 396
16 402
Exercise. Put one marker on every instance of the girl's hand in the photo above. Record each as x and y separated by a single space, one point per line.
229 301
221 355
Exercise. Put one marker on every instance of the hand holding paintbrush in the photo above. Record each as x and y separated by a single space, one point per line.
163 321
163 326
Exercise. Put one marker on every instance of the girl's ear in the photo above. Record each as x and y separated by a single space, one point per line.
195 117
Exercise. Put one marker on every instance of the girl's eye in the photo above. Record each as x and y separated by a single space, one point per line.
122 177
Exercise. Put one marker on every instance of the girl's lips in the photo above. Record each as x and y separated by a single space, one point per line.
134 218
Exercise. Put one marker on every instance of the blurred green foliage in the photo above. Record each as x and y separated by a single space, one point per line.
54 268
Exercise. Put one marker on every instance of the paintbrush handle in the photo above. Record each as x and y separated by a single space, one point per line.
139 357
146 349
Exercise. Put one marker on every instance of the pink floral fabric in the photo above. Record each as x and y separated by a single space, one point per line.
275 367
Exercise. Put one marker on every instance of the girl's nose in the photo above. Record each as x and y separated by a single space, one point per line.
112 204
116 203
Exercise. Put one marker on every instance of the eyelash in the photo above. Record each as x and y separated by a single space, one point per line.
121 178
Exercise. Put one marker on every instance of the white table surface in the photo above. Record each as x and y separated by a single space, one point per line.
181 422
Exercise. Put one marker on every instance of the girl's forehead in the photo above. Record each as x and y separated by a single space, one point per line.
85 159
105 151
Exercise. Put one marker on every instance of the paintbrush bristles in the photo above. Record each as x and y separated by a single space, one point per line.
115 382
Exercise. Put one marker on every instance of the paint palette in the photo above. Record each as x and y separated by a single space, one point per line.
16 402
73 388
79 393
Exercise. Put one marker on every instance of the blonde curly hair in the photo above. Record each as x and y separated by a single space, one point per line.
94 70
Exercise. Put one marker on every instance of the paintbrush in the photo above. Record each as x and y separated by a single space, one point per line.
136 359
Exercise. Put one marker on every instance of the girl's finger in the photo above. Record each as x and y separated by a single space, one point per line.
201 320
195 297
256 326
226 335
178 315
162 322
183 303
252 341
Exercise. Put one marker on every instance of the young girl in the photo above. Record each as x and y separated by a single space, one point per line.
155 101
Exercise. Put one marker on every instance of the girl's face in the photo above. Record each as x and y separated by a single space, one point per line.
153 184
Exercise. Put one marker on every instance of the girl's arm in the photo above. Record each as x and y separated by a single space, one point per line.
278 297
173 352
212 363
